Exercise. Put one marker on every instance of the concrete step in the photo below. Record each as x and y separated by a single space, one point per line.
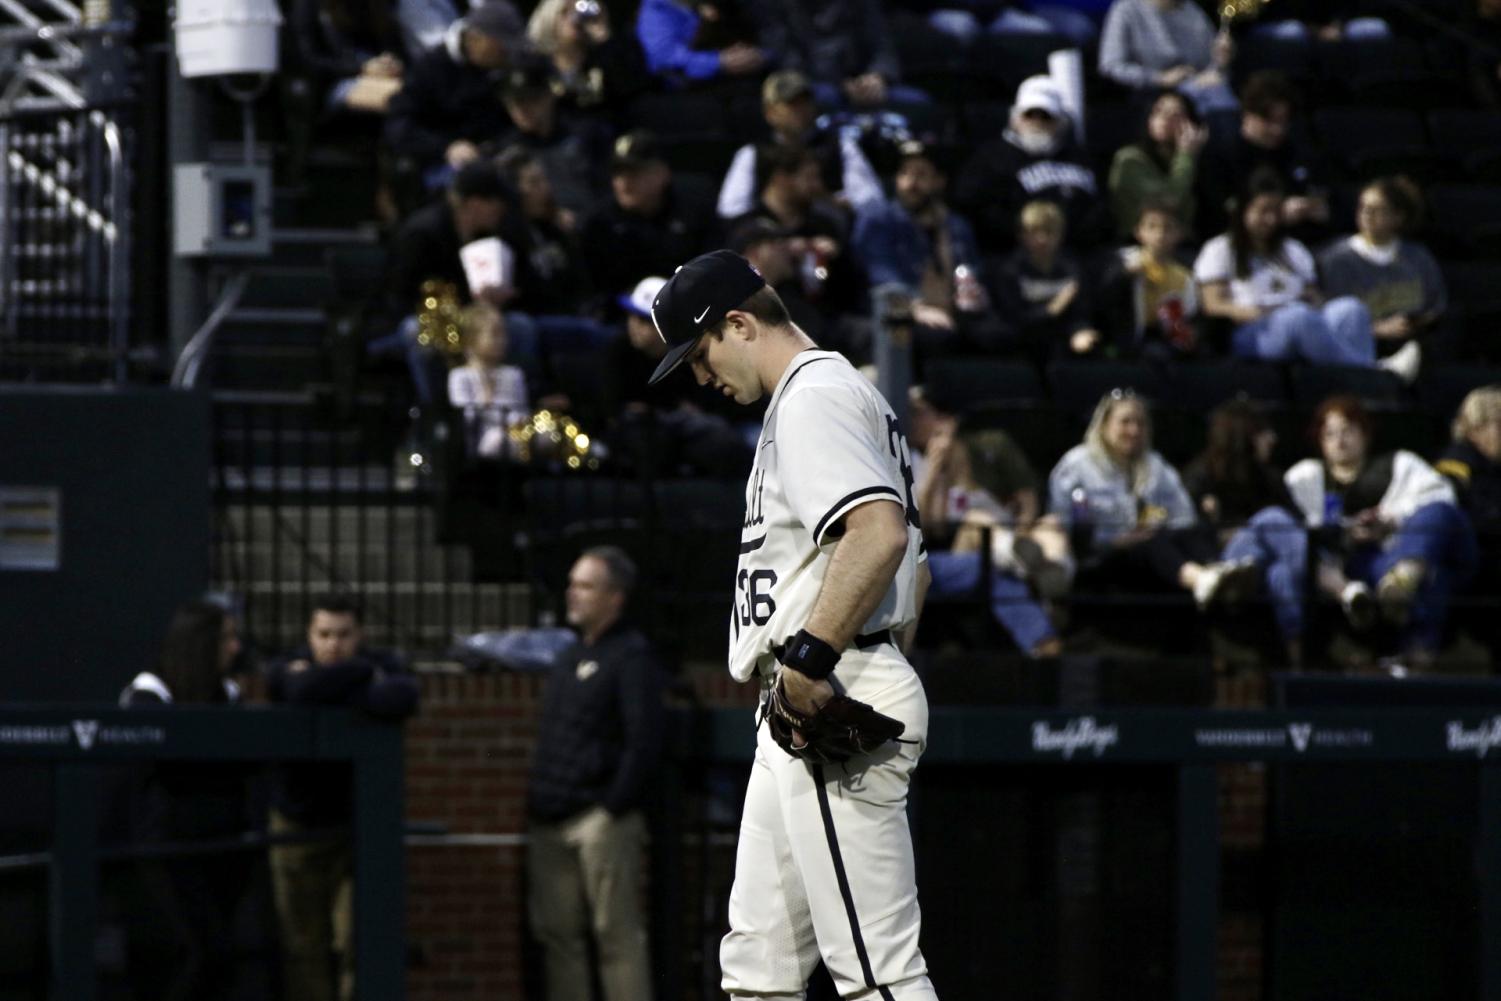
403 523
347 562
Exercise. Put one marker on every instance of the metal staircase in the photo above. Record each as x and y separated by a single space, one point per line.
65 188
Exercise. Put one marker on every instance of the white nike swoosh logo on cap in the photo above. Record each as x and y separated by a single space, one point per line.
700 317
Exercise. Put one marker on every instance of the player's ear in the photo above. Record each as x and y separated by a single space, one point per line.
741 324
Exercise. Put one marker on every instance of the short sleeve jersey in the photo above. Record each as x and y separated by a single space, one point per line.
829 444
1271 282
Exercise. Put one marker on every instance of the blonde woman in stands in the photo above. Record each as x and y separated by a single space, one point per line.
1264 282
1134 525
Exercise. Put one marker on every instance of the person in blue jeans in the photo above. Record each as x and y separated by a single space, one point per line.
1265 283
1239 492
980 496
1397 545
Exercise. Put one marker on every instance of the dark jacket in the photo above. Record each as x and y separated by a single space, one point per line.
573 156
600 733
1477 484
183 800
895 249
321 795
426 246
330 52
1022 292
1001 177
1235 500
622 247
831 40
1225 165
442 101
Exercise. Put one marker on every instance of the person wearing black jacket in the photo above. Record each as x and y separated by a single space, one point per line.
599 738
449 104
1472 464
313 880
652 223
352 49
196 894
1035 158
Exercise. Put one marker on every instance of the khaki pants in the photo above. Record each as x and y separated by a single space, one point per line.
314 888
583 876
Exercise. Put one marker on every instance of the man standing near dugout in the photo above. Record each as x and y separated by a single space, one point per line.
828 590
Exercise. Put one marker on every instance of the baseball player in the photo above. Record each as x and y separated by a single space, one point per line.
828 589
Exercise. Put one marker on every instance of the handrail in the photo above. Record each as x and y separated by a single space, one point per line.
190 362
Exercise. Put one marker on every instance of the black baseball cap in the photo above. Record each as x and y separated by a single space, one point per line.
695 299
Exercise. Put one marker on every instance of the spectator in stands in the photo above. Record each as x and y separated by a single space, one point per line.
1148 301
1266 139
313 880
1162 166
1396 277
573 150
1131 522
1481 25
1167 43
775 253
1391 526
791 195
980 482
492 394
1263 282
651 225
1472 464
597 69
844 46
787 105
193 801
352 49
1039 290
1036 157
1240 493
558 280
448 106
668 31
427 247
917 243
672 425
599 738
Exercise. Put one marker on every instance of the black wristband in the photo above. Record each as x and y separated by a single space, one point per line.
809 655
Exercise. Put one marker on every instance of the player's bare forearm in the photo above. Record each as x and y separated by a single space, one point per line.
860 572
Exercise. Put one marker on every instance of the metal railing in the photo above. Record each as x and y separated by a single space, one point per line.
65 190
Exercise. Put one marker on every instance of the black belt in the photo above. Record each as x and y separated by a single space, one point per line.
874 639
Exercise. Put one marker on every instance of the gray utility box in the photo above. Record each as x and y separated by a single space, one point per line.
221 210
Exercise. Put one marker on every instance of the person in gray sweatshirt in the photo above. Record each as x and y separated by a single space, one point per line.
1167 43
1132 523
1397 278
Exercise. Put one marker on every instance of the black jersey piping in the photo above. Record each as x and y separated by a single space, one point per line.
843 502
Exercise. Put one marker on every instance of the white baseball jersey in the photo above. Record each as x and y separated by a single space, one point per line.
829 443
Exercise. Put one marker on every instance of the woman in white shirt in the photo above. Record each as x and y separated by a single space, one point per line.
1394 541
492 394
1264 282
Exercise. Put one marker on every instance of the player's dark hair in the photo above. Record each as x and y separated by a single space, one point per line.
189 665
335 603
619 567
766 306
